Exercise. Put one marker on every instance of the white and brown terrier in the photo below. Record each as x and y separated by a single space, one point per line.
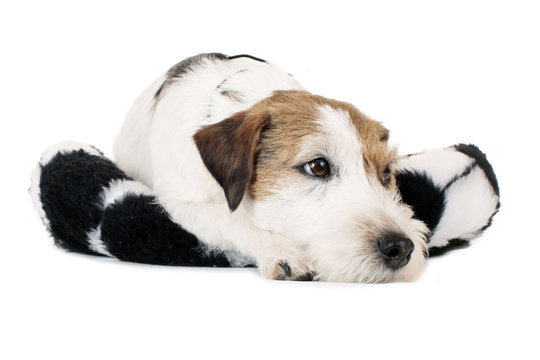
242 156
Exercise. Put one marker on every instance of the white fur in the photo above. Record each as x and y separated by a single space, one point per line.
236 259
35 194
96 244
132 149
441 164
470 202
66 147
308 224
118 189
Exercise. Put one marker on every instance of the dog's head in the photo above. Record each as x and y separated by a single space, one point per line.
321 173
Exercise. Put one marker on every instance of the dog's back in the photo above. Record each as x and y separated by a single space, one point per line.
198 91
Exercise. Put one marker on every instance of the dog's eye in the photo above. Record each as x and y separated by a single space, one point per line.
318 168
386 177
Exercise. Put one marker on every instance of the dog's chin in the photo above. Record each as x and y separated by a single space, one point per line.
411 271
371 269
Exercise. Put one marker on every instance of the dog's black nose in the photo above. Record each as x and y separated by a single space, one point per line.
396 249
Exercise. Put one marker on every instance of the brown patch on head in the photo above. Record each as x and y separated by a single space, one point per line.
255 149
293 116
378 157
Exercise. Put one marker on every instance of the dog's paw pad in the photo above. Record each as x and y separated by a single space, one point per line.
283 271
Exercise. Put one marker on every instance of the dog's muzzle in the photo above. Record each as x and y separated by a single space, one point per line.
395 249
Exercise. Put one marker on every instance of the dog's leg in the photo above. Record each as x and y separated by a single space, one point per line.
276 256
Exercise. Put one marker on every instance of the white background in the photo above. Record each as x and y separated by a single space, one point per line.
435 74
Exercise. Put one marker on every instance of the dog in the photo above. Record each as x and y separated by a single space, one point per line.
241 155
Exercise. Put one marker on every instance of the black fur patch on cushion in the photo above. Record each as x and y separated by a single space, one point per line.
420 192
137 229
474 152
70 186
453 244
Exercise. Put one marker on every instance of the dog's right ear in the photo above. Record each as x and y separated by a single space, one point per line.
228 149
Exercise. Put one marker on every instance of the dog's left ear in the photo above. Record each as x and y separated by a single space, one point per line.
228 150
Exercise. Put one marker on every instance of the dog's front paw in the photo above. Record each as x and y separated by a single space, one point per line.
288 269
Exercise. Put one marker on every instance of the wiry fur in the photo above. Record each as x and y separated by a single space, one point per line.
339 219
289 223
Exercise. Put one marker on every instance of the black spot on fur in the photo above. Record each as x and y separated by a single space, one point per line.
136 229
159 91
232 95
189 64
183 67
420 192
453 244
70 186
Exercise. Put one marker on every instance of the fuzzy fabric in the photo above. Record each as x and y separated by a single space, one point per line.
90 206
